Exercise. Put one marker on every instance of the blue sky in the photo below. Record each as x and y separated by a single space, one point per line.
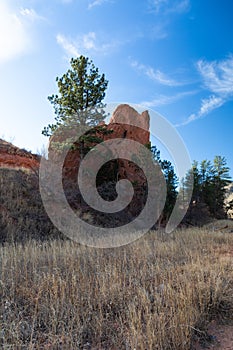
173 56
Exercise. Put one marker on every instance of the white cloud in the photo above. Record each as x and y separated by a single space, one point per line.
164 11
14 39
169 6
84 44
217 76
31 14
180 6
157 5
96 3
207 105
67 45
89 41
156 75
161 77
162 100
15 30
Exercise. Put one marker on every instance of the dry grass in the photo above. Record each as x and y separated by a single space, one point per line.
156 293
22 214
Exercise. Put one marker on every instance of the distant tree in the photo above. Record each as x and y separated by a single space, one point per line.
79 102
209 185
156 154
196 178
219 181
206 169
171 183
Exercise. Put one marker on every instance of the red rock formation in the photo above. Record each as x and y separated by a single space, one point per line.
126 114
125 123
16 158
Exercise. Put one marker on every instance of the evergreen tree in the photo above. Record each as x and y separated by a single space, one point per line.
196 178
205 170
81 91
207 193
171 183
209 185
79 104
219 181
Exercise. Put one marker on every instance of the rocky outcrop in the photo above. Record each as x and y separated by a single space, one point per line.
229 200
16 158
126 114
125 123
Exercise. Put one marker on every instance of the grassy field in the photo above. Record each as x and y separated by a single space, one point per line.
157 293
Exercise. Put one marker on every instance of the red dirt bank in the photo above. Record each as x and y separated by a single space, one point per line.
16 158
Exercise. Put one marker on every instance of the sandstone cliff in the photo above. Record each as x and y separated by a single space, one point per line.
16 158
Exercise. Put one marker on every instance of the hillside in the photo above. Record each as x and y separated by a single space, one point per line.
22 214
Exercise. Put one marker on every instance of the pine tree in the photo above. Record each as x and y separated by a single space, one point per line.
209 185
196 178
171 183
78 103
81 91
219 181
